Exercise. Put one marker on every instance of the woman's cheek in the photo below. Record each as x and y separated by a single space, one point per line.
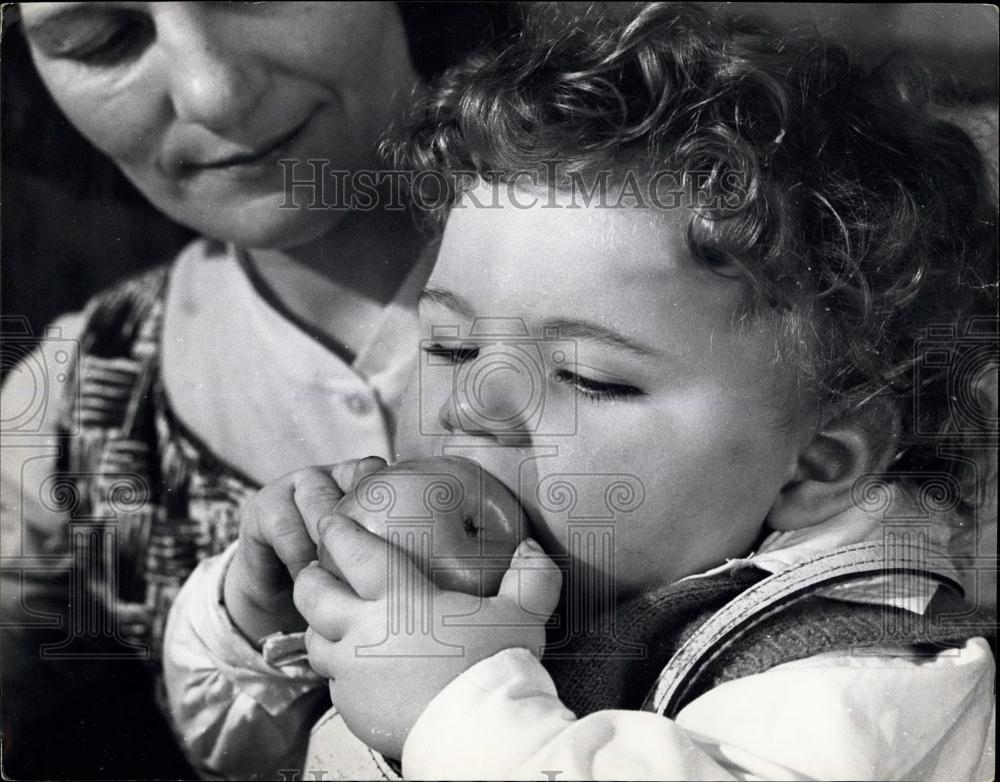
409 442
121 113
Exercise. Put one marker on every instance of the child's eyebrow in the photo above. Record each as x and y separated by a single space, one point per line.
449 300
583 329
563 327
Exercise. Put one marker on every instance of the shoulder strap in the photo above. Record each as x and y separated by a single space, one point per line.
610 660
778 592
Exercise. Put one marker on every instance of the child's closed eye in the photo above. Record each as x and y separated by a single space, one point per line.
456 353
451 353
597 390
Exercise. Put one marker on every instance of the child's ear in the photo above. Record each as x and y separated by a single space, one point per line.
838 454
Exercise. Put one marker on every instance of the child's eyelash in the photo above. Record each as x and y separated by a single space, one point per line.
452 354
593 390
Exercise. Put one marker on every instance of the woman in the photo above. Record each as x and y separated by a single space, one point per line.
278 340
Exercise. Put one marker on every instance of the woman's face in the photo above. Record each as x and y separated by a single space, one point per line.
197 102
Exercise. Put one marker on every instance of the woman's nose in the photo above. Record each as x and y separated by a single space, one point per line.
215 79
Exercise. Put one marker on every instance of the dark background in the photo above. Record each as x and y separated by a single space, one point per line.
71 224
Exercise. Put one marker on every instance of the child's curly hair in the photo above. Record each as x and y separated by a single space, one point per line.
867 225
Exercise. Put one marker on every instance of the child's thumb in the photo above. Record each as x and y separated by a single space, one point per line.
347 474
533 580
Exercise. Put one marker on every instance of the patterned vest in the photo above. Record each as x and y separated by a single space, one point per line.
147 500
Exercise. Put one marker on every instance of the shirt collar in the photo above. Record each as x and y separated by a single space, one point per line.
898 515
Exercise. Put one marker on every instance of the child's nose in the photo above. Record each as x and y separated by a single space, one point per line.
499 403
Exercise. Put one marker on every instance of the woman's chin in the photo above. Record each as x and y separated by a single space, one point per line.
267 225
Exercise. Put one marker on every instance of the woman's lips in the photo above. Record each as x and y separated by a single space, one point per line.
264 151
251 164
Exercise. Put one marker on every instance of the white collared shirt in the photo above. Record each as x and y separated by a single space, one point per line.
260 394
259 390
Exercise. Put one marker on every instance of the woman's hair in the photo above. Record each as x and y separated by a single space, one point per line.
865 223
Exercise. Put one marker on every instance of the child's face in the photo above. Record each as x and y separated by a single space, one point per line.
640 379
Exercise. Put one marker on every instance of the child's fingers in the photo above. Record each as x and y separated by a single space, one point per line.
325 657
347 474
359 555
326 603
533 580
279 516
343 473
367 466
315 493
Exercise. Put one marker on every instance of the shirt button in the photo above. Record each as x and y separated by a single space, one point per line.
358 404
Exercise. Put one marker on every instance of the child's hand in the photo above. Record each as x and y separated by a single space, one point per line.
277 539
390 640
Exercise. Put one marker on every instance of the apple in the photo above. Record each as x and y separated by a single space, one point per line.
458 523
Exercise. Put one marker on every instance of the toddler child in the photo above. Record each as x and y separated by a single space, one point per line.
714 307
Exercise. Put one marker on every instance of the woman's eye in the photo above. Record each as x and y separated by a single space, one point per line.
451 354
111 45
596 390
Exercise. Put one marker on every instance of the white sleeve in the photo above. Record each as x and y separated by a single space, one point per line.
833 716
34 515
238 716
